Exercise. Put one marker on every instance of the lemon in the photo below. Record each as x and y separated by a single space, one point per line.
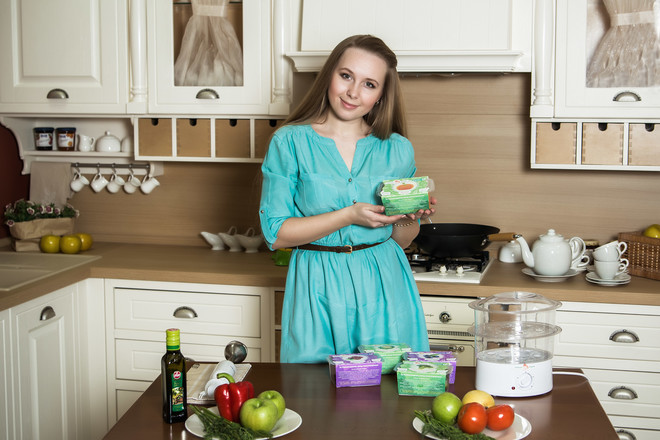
86 241
652 231
70 244
480 397
50 244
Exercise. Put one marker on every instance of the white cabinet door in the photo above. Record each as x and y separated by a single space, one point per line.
6 402
250 20
63 57
45 370
581 28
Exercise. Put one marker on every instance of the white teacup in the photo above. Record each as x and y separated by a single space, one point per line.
607 270
79 182
580 263
148 184
98 182
132 184
115 183
231 240
611 251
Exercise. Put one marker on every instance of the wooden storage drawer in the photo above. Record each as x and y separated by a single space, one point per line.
602 144
263 130
556 142
232 138
193 137
155 136
591 334
642 388
644 144
140 360
238 315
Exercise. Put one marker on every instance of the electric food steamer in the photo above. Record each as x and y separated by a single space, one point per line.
514 336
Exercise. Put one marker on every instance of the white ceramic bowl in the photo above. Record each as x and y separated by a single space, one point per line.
231 240
250 241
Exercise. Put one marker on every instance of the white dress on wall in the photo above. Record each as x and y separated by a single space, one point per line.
210 53
628 55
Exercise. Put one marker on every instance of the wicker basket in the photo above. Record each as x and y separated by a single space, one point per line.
643 254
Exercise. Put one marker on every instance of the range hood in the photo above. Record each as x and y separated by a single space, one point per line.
426 35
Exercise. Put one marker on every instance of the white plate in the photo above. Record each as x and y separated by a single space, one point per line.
550 278
618 280
289 422
520 429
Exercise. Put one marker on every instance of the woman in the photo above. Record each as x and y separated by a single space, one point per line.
349 282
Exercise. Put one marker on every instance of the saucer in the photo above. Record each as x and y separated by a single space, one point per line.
618 280
550 278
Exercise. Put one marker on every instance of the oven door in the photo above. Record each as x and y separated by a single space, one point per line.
463 350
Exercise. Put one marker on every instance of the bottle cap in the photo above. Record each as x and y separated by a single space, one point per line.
173 339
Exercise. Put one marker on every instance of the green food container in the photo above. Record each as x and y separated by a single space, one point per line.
405 196
391 354
421 378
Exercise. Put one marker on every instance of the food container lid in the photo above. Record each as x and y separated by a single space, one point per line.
66 129
43 129
516 303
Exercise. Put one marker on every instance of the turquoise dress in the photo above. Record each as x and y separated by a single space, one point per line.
334 302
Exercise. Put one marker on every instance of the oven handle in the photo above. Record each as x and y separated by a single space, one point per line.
454 348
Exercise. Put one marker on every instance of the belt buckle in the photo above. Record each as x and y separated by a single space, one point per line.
349 249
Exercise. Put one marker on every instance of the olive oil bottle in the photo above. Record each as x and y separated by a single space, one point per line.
173 377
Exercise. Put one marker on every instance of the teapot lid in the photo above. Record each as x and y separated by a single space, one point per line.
551 235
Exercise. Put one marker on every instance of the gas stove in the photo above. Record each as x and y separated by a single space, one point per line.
448 269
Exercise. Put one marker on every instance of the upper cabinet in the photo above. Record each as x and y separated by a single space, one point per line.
63 57
210 58
427 35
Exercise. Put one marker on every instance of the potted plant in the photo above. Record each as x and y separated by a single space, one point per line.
30 221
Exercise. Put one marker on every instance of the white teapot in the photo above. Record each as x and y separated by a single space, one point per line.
551 254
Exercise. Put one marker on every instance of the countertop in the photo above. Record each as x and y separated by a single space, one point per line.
196 264
570 411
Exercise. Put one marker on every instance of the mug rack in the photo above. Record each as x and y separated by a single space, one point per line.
149 168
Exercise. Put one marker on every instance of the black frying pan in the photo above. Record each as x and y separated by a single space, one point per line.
456 240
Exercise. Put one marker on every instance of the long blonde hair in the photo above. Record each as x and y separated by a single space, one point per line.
385 118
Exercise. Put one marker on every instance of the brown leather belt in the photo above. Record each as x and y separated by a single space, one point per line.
346 249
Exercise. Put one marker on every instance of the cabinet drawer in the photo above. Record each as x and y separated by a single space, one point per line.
211 313
643 428
593 335
140 360
639 393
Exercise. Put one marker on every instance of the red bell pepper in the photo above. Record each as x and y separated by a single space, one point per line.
230 397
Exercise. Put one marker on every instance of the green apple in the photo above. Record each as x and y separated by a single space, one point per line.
652 231
258 414
445 407
276 398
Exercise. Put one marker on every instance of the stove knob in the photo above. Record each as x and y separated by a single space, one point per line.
443 270
445 317
459 271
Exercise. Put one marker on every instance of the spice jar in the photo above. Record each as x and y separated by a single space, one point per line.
66 137
43 138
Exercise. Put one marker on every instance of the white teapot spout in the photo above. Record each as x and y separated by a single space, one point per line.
527 256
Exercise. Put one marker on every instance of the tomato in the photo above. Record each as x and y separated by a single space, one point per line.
472 418
499 417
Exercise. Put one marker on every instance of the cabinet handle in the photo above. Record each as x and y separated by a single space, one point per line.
624 336
185 312
622 393
207 94
452 348
627 97
47 313
57 94
625 435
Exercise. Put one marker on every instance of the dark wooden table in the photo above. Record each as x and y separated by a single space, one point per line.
569 411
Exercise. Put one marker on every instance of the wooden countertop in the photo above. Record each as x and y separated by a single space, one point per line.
196 264
570 411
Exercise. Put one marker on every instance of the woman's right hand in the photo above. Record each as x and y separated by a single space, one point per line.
372 216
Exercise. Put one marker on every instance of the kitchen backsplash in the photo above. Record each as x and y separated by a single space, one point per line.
472 136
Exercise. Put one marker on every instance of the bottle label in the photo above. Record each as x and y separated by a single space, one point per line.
177 391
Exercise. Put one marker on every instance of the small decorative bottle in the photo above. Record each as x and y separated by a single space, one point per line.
173 377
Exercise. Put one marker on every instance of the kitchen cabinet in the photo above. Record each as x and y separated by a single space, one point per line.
181 84
6 404
63 57
618 348
431 36
204 139
595 98
44 363
209 316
